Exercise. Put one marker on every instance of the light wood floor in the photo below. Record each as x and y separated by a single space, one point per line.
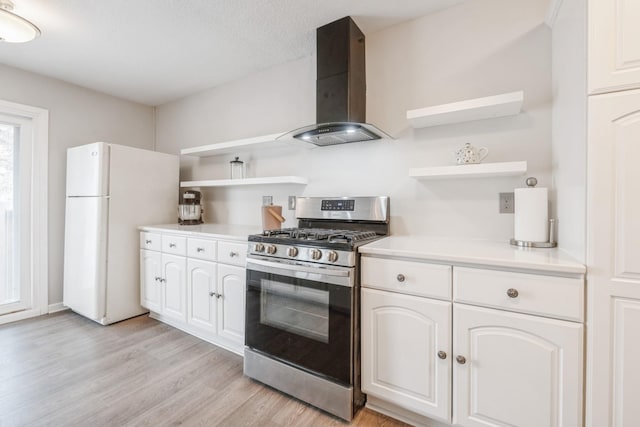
65 370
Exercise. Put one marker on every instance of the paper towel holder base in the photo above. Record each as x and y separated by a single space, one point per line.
526 244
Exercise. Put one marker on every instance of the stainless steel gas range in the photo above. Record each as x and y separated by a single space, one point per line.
303 301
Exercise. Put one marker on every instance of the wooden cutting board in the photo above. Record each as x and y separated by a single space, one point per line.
272 218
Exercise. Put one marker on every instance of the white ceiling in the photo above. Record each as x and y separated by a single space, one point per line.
155 51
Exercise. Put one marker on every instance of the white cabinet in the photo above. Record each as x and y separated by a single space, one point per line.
471 346
514 369
613 256
231 290
163 283
201 293
406 341
614 45
173 287
150 275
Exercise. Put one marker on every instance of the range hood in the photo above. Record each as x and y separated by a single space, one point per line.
340 88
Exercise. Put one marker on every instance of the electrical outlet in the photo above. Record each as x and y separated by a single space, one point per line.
267 200
507 203
292 203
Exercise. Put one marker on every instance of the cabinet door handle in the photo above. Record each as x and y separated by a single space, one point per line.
442 354
461 359
213 294
400 277
160 279
232 254
147 241
172 245
157 279
200 249
512 293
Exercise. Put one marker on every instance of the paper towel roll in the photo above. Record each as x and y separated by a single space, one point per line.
531 215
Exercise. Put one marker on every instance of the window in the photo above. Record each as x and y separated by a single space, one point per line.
23 211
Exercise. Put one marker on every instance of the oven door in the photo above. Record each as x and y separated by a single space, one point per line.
301 314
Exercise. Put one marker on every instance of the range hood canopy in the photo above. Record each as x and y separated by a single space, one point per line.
340 88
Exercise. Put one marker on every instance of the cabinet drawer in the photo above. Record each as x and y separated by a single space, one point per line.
201 249
407 277
174 244
232 253
559 297
151 241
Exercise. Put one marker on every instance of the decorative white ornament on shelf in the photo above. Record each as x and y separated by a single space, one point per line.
469 154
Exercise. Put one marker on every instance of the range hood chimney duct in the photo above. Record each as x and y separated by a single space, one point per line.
340 88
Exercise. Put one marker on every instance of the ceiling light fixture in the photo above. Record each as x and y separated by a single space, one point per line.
14 28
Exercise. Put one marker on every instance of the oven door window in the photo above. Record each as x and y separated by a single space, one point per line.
300 322
295 309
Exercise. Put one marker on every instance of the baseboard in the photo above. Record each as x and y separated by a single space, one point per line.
54 308
402 414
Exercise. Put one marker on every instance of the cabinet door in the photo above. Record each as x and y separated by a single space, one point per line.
231 288
401 338
150 284
515 369
174 289
613 256
201 294
614 45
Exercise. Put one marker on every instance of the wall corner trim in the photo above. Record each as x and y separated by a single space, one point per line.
552 12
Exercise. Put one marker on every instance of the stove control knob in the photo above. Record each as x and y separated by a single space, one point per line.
332 256
258 247
292 251
271 249
316 254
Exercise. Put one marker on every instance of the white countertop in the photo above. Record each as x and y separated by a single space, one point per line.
218 231
478 252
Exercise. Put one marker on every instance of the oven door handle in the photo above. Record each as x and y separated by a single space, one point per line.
274 266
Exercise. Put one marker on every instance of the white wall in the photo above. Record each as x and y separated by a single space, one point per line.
76 116
569 125
479 48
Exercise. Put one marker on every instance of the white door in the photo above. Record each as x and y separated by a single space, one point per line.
614 45
85 255
231 290
406 351
150 280
15 214
201 294
174 292
515 370
613 257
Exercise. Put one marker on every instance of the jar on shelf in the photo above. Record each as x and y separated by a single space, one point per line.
237 168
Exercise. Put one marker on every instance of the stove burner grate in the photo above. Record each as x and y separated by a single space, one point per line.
331 236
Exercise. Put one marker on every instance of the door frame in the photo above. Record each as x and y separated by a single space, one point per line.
39 245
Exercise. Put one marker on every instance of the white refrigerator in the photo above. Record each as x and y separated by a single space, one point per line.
111 191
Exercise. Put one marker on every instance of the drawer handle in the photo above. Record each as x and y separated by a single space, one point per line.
512 293
400 277
232 254
461 359
148 242
172 245
442 354
200 249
